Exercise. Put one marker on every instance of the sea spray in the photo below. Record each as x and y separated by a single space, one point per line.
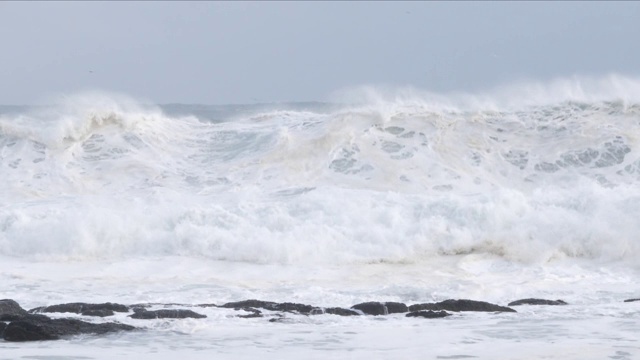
402 180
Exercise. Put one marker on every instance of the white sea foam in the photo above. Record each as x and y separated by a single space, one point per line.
403 181
531 191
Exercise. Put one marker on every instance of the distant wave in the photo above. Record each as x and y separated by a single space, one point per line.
508 97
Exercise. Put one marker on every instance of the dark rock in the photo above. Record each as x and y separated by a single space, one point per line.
3 325
428 314
395 307
249 303
269 305
537 302
166 314
317 311
138 309
461 305
79 308
279 318
378 308
294 307
371 308
11 317
35 317
207 305
28 330
341 312
250 316
147 305
143 306
34 328
254 313
11 310
100 312
631 300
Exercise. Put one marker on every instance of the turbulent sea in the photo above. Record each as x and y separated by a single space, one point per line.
530 191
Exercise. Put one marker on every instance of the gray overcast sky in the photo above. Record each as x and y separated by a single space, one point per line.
230 52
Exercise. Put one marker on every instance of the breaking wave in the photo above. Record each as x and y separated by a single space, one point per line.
530 173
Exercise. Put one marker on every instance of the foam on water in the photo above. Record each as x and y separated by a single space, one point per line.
529 191
401 180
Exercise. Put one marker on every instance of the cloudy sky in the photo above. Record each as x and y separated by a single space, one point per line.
229 52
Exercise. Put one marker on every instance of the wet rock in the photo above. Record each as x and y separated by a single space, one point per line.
31 330
35 317
428 314
98 312
137 309
537 302
396 307
371 308
251 316
148 305
269 305
39 327
279 318
207 305
249 304
79 308
317 311
632 300
341 311
255 313
10 310
378 308
461 305
3 325
165 314
294 307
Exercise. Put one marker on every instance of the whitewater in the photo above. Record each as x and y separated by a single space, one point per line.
531 190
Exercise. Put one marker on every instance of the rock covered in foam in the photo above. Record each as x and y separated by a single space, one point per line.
461 305
537 302
254 313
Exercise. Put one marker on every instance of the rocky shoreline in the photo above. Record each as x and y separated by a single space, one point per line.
18 324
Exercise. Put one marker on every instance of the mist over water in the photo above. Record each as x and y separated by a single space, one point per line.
532 174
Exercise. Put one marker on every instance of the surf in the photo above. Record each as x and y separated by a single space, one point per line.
531 174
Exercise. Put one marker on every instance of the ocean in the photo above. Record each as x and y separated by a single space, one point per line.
530 191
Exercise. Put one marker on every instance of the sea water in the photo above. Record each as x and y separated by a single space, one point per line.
531 190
